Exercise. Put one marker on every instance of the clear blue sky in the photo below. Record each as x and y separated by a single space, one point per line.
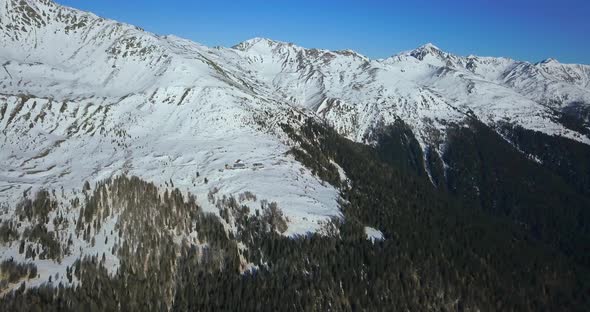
522 29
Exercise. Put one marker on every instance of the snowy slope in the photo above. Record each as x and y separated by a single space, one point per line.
84 98
422 87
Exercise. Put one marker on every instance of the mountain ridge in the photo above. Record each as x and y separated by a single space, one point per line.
112 63
269 134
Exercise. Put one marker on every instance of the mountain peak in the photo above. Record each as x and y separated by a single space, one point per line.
550 61
426 49
429 46
258 41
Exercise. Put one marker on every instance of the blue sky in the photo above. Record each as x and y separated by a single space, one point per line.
522 29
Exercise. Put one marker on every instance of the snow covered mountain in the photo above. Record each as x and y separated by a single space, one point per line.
84 99
422 87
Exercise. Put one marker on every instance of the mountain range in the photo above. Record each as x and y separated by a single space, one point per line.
231 150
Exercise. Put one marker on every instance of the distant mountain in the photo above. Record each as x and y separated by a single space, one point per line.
425 179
